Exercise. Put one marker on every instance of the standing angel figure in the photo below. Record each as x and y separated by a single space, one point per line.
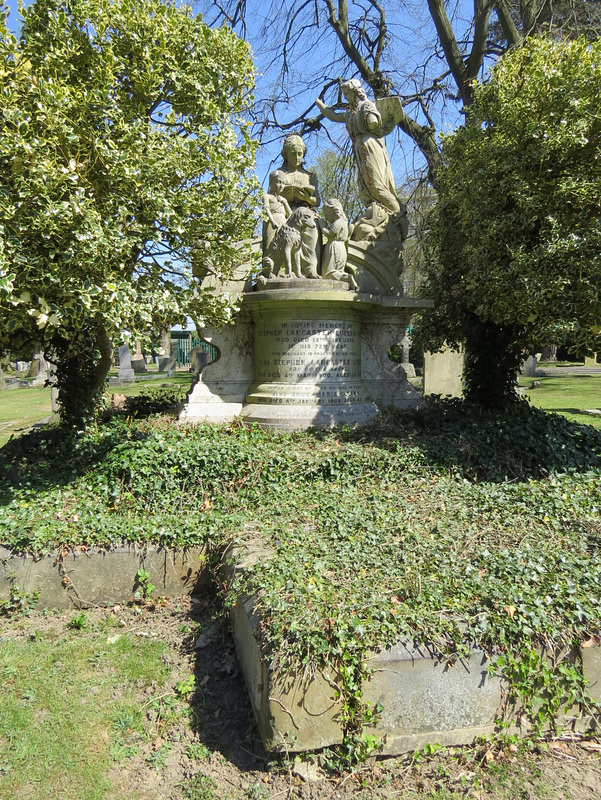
367 128
335 230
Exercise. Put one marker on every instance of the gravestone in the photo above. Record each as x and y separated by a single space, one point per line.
309 346
198 359
528 369
126 372
443 373
590 361
137 360
167 363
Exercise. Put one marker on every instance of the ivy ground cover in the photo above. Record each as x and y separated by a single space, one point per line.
445 526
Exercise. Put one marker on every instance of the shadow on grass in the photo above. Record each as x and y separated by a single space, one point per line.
221 714
50 456
518 443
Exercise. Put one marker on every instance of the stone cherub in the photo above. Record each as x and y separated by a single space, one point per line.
277 209
335 230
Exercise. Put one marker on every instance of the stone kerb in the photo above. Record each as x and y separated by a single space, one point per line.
100 577
424 699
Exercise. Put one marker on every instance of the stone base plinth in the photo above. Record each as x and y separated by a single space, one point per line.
294 417
127 374
305 353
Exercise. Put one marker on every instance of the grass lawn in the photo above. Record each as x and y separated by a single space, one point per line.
21 408
71 705
567 396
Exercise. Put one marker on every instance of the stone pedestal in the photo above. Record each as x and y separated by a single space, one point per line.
309 354
307 359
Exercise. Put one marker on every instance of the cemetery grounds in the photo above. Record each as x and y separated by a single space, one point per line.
497 521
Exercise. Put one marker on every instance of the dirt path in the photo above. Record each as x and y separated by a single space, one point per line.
215 753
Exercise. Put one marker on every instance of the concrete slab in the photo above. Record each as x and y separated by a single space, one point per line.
97 577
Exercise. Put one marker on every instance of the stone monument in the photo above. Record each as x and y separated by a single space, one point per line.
138 362
323 304
126 372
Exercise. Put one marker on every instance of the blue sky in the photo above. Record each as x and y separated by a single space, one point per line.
413 34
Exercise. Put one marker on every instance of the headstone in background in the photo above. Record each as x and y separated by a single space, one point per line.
137 360
198 360
591 361
528 369
126 372
443 373
38 369
167 363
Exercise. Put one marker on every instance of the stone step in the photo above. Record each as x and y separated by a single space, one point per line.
424 699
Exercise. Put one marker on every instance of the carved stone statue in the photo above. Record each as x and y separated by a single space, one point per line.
276 208
285 249
299 188
380 232
335 231
364 125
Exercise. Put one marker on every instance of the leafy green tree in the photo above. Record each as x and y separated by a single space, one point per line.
122 156
336 175
519 222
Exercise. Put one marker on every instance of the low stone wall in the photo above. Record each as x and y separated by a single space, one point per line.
99 577
424 699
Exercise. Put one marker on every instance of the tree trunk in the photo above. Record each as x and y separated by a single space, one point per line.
549 353
492 359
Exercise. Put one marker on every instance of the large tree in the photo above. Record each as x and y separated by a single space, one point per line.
429 53
519 214
123 156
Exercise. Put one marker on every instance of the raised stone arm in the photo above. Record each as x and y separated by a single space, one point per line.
329 113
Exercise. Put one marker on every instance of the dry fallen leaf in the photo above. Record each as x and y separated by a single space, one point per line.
511 610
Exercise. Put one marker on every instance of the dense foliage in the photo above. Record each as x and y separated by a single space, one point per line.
519 225
121 150
449 526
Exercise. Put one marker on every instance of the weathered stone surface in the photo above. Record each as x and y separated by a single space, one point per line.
167 363
126 372
218 394
99 577
307 361
591 667
198 359
425 697
386 381
443 373
528 369
590 361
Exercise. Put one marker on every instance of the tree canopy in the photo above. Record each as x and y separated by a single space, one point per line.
519 213
123 156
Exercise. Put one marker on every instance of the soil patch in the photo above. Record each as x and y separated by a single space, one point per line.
214 752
